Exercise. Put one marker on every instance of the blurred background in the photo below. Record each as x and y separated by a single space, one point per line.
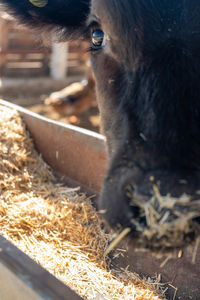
51 79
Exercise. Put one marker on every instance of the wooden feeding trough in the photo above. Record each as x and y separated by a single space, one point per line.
84 154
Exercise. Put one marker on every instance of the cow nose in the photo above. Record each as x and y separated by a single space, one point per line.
156 218
136 197
117 206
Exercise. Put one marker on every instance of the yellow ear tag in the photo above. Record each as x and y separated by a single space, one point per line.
39 3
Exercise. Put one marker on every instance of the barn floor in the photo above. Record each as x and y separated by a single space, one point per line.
30 93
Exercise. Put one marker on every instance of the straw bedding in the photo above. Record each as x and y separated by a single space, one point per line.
54 224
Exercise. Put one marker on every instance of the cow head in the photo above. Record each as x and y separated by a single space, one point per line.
145 56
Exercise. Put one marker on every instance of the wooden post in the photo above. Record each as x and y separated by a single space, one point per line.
59 60
4 28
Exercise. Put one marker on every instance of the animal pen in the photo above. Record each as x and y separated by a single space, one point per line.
73 157
22 54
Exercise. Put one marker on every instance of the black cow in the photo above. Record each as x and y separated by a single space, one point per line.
145 55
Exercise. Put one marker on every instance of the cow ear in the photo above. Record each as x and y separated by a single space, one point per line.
48 14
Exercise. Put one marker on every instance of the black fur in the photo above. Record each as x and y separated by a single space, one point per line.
66 15
148 90
160 46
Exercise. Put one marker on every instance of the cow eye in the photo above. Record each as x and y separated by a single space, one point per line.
98 39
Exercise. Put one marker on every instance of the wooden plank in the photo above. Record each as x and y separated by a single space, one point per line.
23 279
71 151
13 288
25 51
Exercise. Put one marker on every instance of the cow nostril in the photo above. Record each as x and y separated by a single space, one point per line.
139 220
135 199
129 191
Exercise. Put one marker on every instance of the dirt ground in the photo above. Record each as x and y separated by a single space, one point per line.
31 93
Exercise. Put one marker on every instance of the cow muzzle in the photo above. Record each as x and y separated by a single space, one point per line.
162 210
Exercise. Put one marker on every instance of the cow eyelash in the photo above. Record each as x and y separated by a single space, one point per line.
91 49
92 25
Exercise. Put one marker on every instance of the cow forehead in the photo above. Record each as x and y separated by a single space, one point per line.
149 24
155 15
100 11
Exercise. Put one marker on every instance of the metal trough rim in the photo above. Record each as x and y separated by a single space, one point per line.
85 156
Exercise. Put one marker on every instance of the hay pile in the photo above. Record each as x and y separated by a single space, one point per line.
54 225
